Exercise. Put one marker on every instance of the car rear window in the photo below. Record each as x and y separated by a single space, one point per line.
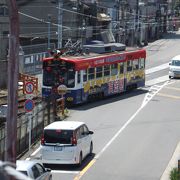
58 136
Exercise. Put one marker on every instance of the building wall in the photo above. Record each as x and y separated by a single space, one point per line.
3 76
4 31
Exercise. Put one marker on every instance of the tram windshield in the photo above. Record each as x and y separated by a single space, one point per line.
58 72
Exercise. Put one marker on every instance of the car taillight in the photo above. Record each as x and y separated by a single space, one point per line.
74 141
42 140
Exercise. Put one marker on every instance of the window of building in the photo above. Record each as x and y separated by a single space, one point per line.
5 34
3 10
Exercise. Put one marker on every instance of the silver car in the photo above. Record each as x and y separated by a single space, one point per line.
33 170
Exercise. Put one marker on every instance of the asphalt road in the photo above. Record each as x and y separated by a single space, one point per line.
135 134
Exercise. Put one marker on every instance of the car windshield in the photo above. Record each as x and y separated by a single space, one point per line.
58 136
175 62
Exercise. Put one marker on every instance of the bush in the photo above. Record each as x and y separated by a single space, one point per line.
174 174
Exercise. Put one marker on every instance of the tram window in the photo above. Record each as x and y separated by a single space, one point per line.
98 72
141 63
135 64
107 70
114 69
91 73
79 77
84 75
71 78
121 68
129 66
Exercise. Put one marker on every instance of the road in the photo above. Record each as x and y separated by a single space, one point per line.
135 134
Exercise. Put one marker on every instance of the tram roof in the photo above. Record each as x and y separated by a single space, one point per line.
85 60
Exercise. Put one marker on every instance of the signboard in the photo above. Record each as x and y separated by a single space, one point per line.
62 89
29 87
29 105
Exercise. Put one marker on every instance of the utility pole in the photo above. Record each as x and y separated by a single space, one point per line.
13 73
117 21
60 4
137 22
49 31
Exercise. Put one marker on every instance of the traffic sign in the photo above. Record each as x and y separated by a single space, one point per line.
62 89
29 87
29 105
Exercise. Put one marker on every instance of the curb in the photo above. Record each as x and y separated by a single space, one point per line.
172 163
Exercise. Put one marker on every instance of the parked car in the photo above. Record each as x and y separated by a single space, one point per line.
66 142
174 67
34 170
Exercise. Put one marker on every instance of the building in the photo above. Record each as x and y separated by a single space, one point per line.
51 24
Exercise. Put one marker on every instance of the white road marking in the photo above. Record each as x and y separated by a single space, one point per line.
157 80
64 172
152 92
35 152
157 68
128 122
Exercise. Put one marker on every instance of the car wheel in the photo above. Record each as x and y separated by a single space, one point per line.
169 77
91 149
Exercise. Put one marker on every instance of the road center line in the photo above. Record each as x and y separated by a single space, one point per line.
115 136
173 88
106 146
169 96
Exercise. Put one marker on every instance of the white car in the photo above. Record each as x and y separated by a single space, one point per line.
66 142
34 170
174 67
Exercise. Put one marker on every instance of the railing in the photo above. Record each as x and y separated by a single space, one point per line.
42 116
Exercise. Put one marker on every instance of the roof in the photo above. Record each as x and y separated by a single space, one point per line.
103 17
23 165
176 57
71 125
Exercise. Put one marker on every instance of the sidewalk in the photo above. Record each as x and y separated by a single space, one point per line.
173 163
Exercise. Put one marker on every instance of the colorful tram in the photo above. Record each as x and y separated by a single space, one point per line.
93 75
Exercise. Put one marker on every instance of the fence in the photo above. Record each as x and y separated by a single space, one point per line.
42 116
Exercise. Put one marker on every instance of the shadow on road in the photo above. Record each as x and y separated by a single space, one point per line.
108 100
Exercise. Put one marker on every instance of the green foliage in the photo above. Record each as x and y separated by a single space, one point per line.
174 174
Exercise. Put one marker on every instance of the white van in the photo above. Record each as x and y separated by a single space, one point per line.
174 67
66 142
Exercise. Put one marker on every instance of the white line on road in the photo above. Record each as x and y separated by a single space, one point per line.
157 68
64 172
126 124
35 152
157 80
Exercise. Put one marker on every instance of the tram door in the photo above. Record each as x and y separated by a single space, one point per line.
122 73
79 86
